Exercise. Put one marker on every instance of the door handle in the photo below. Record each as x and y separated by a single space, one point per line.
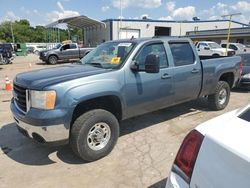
195 71
166 76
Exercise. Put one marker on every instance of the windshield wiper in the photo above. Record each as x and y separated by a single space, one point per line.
99 65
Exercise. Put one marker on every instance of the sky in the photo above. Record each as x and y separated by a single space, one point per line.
42 12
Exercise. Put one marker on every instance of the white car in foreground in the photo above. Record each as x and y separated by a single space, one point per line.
215 155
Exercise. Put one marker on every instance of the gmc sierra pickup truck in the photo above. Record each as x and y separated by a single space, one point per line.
63 52
83 104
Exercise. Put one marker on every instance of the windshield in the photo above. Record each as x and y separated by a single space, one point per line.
241 46
57 46
214 45
108 55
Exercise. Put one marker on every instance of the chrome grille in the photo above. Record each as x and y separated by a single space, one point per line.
20 97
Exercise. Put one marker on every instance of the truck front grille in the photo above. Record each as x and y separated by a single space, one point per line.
20 97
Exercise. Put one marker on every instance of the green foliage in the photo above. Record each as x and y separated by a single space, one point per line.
24 32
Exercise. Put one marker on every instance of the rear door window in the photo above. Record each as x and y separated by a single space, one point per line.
182 53
73 46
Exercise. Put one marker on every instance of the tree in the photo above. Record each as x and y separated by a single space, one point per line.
24 32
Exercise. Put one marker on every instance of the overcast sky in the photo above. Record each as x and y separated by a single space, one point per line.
42 12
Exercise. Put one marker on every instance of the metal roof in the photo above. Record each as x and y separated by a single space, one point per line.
173 21
78 21
244 31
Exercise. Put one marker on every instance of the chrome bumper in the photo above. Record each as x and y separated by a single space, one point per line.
43 134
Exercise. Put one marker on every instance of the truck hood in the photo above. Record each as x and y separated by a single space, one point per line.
222 50
39 79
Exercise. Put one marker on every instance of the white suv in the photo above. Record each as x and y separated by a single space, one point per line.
237 47
212 49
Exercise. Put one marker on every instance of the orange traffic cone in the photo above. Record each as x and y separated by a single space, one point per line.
7 83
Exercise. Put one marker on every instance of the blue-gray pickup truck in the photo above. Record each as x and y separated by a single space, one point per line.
63 53
83 104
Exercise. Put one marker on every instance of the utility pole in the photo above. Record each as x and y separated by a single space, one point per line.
229 27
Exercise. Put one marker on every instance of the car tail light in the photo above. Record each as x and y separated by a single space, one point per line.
187 155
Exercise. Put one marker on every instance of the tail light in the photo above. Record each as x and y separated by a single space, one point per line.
187 155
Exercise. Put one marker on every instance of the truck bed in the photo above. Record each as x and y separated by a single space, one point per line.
214 68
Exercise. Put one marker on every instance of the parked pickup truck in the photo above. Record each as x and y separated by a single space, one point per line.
64 52
83 104
208 49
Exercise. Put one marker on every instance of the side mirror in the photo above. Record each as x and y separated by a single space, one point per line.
206 48
61 49
152 64
134 66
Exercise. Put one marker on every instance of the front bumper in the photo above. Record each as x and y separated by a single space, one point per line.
43 134
43 57
42 126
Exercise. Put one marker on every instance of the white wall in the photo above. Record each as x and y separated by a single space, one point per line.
147 29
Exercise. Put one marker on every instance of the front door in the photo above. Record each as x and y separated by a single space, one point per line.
146 92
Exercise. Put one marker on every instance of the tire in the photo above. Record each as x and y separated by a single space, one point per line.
215 55
219 100
52 60
82 136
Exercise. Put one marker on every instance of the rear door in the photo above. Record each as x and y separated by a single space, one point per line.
187 71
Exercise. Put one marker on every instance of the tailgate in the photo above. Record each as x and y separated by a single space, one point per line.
224 157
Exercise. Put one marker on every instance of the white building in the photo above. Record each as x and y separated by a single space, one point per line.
127 28
97 32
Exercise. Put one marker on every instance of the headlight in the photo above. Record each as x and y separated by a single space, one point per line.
246 76
43 99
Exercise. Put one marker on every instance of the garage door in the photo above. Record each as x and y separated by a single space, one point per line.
128 34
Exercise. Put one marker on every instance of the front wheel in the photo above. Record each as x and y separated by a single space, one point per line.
94 134
219 100
52 60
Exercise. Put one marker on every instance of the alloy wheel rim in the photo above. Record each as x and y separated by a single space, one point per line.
222 96
98 136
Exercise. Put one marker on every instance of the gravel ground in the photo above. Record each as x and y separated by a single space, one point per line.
142 157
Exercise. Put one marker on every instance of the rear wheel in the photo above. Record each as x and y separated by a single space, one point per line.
94 134
219 100
215 55
52 60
